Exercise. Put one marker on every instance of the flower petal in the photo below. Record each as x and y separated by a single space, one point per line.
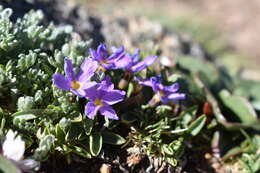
87 70
68 68
154 82
93 54
176 96
146 82
108 112
136 55
164 100
172 88
144 64
106 84
79 92
92 92
113 97
102 51
108 65
27 165
13 147
117 53
117 50
125 62
91 110
88 84
61 82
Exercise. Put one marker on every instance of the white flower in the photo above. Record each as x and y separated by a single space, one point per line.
13 149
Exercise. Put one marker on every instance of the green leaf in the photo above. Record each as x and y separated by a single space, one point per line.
130 89
25 103
74 132
59 133
195 127
95 142
38 96
256 165
112 138
65 124
239 106
178 131
171 160
25 115
47 142
167 149
232 152
163 109
87 125
195 65
173 78
7 166
188 115
128 118
82 152
77 118
45 145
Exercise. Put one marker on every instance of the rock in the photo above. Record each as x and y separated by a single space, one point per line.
105 168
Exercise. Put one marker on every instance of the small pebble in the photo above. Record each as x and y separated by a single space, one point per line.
105 168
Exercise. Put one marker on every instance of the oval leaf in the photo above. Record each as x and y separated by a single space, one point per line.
239 106
7 166
87 125
112 138
195 127
25 115
95 142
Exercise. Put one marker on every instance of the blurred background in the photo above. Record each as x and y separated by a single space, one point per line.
228 29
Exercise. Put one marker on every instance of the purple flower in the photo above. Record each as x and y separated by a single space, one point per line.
105 61
101 96
132 63
76 83
165 94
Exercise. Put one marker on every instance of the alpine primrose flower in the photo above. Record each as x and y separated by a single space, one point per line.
132 63
13 149
101 96
165 94
105 61
76 83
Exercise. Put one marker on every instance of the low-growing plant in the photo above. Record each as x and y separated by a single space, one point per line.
65 98
34 100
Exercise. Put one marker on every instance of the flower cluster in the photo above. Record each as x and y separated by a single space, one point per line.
120 60
132 64
165 94
105 61
102 95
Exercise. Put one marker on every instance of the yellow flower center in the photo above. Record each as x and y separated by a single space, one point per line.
98 102
157 97
104 62
161 93
76 85
100 68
